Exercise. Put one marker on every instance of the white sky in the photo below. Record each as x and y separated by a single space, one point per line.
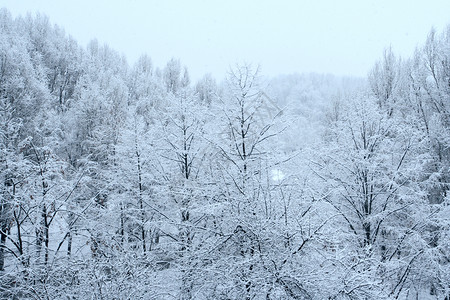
340 37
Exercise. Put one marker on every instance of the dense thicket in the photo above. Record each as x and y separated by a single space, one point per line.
122 182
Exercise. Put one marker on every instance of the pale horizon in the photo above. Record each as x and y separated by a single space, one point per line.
339 38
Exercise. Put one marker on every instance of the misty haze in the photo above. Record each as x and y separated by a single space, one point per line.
305 156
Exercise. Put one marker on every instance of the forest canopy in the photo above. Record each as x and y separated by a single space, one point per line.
132 182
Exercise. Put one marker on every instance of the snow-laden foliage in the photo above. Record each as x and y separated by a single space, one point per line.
122 182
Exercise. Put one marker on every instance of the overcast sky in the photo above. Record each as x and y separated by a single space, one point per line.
339 37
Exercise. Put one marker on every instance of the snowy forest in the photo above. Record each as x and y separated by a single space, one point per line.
127 181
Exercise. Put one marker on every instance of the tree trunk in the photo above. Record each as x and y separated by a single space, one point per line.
141 201
2 243
69 243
